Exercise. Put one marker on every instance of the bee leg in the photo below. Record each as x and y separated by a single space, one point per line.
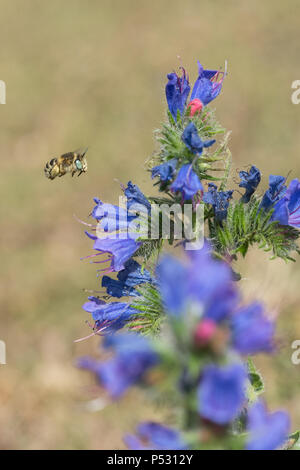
80 173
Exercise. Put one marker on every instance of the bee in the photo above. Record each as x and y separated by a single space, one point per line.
71 162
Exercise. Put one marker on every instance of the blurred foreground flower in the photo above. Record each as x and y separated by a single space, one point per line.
268 431
154 436
195 360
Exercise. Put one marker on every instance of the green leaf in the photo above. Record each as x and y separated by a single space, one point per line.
255 378
293 441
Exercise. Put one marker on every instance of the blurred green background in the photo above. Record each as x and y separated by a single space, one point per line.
92 73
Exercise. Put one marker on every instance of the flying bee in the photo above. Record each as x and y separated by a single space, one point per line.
71 162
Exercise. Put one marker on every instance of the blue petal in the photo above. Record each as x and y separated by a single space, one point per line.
121 249
221 393
172 277
165 171
252 332
192 140
268 431
187 182
155 436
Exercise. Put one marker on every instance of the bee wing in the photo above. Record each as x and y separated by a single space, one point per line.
81 151
66 159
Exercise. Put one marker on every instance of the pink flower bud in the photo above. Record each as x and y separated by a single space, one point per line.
195 106
204 332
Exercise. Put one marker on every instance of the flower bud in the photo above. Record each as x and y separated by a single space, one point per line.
204 332
195 106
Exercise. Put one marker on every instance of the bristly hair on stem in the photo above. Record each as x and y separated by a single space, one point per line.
246 225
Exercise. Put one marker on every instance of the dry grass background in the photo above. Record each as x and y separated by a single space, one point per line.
93 73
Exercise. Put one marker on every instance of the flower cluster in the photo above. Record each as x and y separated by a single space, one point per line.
178 326
200 360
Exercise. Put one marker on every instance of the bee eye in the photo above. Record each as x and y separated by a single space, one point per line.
78 164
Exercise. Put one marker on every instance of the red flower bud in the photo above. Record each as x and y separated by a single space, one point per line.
195 106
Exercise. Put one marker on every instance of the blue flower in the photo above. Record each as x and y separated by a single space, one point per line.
109 317
177 91
275 192
133 358
118 229
173 284
192 140
287 209
219 200
268 431
119 250
187 182
128 278
135 196
221 393
249 180
208 85
155 436
201 281
110 217
252 332
165 171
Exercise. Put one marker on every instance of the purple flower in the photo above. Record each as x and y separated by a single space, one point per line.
268 431
109 317
221 393
208 85
219 200
128 278
177 91
202 280
187 182
165 171
155 436
252 332
118 250
133 358
192 140
287 209
275 192
249 180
